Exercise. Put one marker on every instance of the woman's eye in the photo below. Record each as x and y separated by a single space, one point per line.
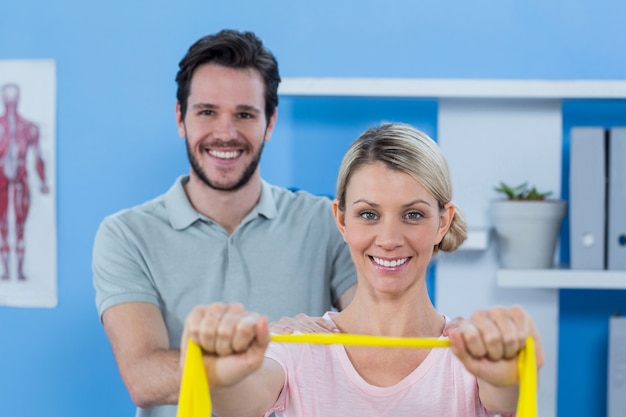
414 215
368 215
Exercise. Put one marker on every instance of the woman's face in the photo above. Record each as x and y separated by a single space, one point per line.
391 223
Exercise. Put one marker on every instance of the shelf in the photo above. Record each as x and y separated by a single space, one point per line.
561 279
477 239
454 88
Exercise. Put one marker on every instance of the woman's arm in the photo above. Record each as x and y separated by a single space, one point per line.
252 396
488 346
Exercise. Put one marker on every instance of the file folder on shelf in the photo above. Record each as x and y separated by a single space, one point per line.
588 194
616 237
616 384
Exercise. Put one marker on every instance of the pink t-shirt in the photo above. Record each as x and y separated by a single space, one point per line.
320 381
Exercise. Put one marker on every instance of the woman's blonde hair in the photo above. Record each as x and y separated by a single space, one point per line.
403 148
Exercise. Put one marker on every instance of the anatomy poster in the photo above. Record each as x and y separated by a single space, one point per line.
28 241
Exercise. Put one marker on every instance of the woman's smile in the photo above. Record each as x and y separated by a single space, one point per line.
389 264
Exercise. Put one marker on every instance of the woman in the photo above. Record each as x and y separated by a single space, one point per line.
394 210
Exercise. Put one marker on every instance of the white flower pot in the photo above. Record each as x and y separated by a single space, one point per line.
527 232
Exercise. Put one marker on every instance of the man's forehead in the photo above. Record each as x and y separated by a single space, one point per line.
221 86
214 74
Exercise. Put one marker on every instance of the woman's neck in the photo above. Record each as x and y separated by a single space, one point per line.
398 317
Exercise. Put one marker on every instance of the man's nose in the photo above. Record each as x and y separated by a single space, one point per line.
225 128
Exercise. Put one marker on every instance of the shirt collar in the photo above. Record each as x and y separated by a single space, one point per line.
266 206
179 209
182 214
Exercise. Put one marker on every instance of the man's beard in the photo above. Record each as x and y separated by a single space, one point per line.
243 180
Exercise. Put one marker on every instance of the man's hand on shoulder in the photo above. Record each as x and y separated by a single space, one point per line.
302 324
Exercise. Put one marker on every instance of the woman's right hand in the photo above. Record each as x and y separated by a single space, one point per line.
233 341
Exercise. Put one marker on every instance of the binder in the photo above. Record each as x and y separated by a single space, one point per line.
616 256
588 194
616 372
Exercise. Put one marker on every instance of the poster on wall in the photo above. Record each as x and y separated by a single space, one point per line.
28 241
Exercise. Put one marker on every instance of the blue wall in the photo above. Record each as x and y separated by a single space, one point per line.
117 143
584 315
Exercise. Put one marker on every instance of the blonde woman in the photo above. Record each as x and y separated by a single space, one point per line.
394 209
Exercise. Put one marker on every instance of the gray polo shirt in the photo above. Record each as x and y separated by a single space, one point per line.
286 257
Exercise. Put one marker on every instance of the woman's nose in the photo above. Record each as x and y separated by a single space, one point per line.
389 235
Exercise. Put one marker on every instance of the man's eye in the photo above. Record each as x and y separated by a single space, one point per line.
206 113
245 116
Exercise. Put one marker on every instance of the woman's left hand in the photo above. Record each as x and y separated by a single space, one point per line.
489 342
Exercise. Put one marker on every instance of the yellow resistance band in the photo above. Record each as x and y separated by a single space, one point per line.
195 399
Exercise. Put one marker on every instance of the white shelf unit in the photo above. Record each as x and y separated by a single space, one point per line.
477 239
453 88
561 279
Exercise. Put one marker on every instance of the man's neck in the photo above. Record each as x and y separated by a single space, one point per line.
227 208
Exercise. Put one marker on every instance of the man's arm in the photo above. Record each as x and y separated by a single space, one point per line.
138 337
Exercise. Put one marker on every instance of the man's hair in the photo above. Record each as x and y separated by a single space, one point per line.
234 49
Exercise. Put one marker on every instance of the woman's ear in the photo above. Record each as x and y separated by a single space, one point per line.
445 220
340 218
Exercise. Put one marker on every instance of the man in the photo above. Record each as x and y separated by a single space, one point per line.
219 234
17 137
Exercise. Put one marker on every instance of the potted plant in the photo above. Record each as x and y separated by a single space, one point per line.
527 225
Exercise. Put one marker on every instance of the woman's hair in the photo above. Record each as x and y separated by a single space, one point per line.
405 149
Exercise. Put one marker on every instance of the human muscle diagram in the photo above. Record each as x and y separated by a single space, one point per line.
18 136
28 238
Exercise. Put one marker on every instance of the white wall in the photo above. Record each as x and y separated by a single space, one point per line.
487 141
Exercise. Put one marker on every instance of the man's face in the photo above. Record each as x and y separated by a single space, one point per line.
225 125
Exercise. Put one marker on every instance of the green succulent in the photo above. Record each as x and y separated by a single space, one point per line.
521 192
